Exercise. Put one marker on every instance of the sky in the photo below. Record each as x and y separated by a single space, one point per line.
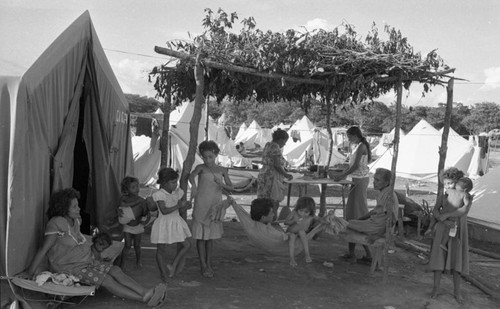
465 32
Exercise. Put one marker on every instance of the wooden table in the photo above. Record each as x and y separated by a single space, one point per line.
323 182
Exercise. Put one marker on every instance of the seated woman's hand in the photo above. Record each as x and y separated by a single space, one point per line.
289 176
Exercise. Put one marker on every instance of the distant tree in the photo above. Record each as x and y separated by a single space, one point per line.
483 117
409 118
460 111
141 104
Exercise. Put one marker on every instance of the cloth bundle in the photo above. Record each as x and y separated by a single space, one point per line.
218 212
59 279
334 225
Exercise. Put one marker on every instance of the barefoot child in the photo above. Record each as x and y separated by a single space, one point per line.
451 253
299 221
455 198
207 193
170 227
132 212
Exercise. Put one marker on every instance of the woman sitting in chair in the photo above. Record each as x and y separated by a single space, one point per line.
68 251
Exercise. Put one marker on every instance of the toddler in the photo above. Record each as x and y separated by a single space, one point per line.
132 213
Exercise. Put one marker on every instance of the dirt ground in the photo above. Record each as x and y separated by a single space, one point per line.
247 277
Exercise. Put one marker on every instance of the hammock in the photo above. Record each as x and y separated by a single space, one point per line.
267 237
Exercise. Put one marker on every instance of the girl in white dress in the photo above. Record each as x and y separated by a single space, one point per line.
170 227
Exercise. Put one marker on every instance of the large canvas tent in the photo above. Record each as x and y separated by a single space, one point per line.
484 213
486 205
64 124
419 154
302 129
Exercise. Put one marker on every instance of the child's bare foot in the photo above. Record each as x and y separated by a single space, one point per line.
308 259
171 270
459 298
211 270
434 293
293 263
207 273
138 265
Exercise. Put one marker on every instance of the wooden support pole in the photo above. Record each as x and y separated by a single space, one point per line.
329 130
389 223
193 129
207 119
397 129
444 137
164 144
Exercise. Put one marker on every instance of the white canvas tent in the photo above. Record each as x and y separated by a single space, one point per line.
241 131
302 129
385 141
147 154
64 124
281 126
485 208
316 145
418 156
254 135
477 165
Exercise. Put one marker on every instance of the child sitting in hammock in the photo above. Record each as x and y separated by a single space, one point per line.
299 221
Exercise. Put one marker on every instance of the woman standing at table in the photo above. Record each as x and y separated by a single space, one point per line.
359 157
271 175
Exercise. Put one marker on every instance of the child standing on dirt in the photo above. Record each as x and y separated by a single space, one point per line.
455 198
207 194
451 252
132 213
170 227
299 221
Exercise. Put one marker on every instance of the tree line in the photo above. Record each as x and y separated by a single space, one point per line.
374 118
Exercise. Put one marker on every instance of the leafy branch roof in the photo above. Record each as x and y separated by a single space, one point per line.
336 64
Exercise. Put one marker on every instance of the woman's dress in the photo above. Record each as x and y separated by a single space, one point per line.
454 255
169 228
357 204
72 254
270 181
209 196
